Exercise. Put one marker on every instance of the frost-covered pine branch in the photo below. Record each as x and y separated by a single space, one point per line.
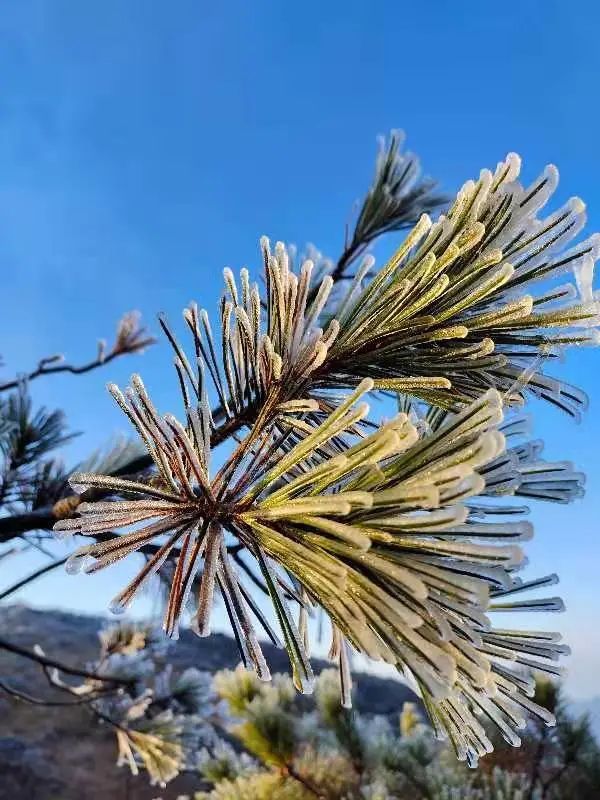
400 531
382 527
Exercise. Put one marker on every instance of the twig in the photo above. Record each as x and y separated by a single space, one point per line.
33 576
43 369
290 770
44 661
38 701
131 338
37 545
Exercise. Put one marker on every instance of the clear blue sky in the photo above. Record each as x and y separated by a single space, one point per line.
145 145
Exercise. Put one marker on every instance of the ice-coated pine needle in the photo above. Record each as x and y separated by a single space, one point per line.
407 535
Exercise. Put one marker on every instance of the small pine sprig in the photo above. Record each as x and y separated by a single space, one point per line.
395 200
29 476
465 303
161 719
466 300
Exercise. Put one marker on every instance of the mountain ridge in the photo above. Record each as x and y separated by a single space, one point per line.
51 753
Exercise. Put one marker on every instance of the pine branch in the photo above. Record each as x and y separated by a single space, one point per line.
290 770
381 527
15 525
394 202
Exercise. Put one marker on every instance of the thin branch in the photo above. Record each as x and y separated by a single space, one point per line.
290 770
537 763
44 661
131 338
44 369
37 546
32 577
12 551
27 698
14 525
39 701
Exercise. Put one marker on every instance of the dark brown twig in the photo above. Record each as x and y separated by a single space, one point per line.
32 577
39 701
51 663
290 770
131 338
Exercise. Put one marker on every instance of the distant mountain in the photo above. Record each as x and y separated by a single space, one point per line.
49 753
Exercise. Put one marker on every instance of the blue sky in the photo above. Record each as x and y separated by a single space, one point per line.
145 145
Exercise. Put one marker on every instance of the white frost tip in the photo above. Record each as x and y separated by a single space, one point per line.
368 262
594 243
513 161
60 534
576 205
77 562
307 266
584 276
307 686
593 338
77 483
117 606
525 531
551 174
424 222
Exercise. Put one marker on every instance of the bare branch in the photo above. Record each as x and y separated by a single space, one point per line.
130 338
44 661
39 701
32 577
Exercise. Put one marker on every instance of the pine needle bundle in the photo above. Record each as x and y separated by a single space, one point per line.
400 532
